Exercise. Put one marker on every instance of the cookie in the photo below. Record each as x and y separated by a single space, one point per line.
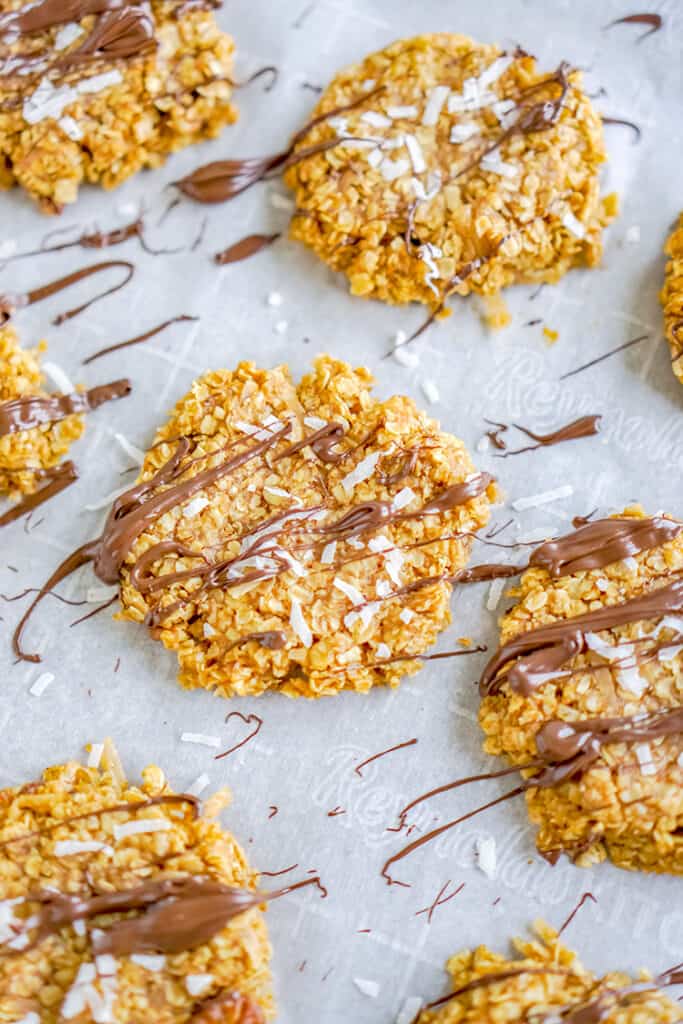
459 168
123 902
584 693
546 983
93 91
36 428
298 537
672 298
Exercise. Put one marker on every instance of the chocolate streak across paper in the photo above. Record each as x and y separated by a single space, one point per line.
35 410
9 303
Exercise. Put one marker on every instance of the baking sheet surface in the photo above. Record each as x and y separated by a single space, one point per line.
302 761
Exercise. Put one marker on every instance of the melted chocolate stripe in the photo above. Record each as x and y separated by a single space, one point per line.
34 410
10 303
550 647
57 480
603 542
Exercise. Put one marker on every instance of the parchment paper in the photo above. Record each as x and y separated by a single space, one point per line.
302 760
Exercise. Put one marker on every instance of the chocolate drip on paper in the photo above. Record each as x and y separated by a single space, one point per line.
138 339
57 480
35 410
603 542
585 426
10 303
655 21
636 129
548 648
246 247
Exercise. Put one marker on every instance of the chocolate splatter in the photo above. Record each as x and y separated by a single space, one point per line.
585 426
10 303
636 129
586 896
440 899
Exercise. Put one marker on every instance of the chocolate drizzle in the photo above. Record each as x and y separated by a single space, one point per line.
57 479
176 914
45 14
596 544
548 648
10 303
118 34
138 339
35 410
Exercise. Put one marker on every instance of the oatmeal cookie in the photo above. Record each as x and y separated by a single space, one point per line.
546 983
122 902
584 694
93 91
460 168
36 428
672 298
301 537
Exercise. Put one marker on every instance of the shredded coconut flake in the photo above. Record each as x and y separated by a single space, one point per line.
573 224
354 595
208 630
196 984
201 738
494 595
314 422
71 127
435 101
328 553
133 828
375 119
430 390
415 153
299 624
364 469
150 961
69 847
199 785
403 498
407 111
98 83
485 850
544 498
404 356
129 448
407 615
367 987
463 132
492 162
274 299
195 506
644 755
393 169
383 651
58 378
41 684
95 755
